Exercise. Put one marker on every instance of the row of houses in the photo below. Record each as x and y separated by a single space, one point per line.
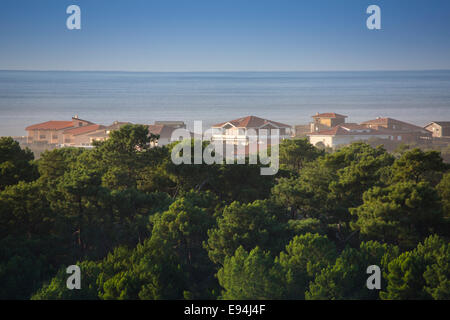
82 133
76 132
332 130
327 129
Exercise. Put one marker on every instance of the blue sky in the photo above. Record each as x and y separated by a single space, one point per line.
224 35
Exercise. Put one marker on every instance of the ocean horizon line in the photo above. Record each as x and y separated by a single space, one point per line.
228 71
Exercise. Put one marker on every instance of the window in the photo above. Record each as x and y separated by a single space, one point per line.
42 136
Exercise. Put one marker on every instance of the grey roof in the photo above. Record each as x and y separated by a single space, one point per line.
441 123
169 122
116 125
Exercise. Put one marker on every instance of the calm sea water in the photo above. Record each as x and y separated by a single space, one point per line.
290 97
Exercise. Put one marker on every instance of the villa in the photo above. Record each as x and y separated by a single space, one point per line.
439 129
324 121
406 131
164 131
103 133
346 133
52 132
240 131
79 136
75 133
327 129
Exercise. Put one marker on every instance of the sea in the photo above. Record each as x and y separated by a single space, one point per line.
29 97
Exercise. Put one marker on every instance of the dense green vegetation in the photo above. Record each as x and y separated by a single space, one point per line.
141 227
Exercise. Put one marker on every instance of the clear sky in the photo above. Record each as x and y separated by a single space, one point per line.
224 35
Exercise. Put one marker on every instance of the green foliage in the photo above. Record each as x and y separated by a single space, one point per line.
180 231
295 153
402 214
142 227
15 164
243 183
222 179
417 165
443 189
24 211
327 188
53 164
249 276
305 257
26 262
128 140
309 225
260 223
57 289
423 273
28 233
346 278
168 265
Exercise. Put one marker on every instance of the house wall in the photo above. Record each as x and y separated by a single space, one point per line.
302 130
344 140
446 131
79 123
437 131
163 141
337 121
48 136
68 139
81 140
329 122
334 141
326 140
323 121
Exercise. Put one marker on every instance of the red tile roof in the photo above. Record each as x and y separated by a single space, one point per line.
329 115
116 125
353 126
386 121
51 125
84 129
251 122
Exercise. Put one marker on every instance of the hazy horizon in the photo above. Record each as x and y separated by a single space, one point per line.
28 97
228 71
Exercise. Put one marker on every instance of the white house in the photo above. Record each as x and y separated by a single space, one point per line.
241 131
